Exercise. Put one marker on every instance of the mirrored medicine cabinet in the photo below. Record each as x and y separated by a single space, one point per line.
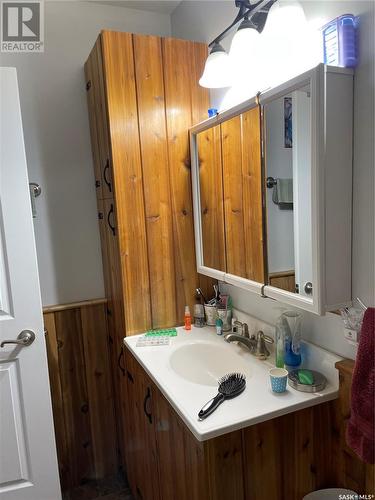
272 187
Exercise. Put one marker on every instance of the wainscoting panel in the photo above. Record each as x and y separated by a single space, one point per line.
82 391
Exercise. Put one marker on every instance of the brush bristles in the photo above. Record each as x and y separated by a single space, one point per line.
232 376
231 383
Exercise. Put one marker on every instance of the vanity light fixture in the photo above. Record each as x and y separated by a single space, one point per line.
217 71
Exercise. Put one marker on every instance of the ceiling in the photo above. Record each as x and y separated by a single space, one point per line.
163 6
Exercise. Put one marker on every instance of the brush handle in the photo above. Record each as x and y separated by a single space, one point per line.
211 406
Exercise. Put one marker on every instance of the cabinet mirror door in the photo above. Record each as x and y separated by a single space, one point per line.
288 159
228 187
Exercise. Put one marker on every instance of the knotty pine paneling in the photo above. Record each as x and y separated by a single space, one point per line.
184 102
157 192
350 471
252 194
122 112
81 391
242 179
231 144
212 198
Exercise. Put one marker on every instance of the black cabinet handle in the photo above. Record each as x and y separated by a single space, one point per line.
130 376
120 356
113 229
106 168
147 397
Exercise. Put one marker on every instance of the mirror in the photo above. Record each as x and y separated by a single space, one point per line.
211 198
287 138
230 196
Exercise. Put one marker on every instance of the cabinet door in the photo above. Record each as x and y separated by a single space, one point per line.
102 121
90 88
181 458
115 316
242 181
141 458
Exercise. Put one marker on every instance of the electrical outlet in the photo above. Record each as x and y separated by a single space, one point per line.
351 336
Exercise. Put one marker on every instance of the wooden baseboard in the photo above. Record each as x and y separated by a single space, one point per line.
74 305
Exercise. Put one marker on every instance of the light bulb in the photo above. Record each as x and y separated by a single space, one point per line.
284 43
216 72
285 18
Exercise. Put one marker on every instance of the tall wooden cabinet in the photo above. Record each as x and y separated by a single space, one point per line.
143 95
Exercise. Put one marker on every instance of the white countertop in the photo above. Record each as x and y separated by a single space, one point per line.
256 404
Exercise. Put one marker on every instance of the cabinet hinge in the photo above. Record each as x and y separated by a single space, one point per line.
88 85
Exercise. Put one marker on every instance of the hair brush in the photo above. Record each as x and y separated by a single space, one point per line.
230 386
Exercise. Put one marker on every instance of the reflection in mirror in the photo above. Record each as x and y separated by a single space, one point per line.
288 198
242 181
211 198
230 183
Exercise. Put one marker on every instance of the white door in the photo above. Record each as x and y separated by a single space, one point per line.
28 464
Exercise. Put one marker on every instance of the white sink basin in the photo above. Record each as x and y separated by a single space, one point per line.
205 363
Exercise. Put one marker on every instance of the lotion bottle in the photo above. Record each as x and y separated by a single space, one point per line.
187 319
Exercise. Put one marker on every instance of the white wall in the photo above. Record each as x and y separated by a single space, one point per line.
280 234
203 21
56 129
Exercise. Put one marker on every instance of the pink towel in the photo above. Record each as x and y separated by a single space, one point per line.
360 432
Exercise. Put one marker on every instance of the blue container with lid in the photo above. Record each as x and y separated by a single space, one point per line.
340 41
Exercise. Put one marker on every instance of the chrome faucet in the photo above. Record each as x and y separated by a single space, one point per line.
240 328
256 344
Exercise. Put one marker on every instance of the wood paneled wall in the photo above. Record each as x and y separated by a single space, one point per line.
285 280
82 391
350 471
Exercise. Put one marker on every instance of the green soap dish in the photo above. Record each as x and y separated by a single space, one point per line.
305 377
165 332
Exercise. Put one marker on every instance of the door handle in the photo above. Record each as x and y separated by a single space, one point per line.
147 397
119 361
25 338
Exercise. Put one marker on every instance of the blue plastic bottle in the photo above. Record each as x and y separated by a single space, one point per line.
340 41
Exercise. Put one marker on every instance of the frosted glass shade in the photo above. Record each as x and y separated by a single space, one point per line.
244 46
216 72
286 18
284 48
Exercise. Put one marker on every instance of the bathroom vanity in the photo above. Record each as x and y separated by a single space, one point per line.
257 446
272 188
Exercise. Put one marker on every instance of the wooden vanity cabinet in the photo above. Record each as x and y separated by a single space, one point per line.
281 459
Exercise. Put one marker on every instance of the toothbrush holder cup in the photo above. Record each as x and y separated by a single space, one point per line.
211 314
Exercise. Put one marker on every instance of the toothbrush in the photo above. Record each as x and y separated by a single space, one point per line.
199 292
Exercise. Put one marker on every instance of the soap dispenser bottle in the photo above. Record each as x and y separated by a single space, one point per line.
280 343
291 322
